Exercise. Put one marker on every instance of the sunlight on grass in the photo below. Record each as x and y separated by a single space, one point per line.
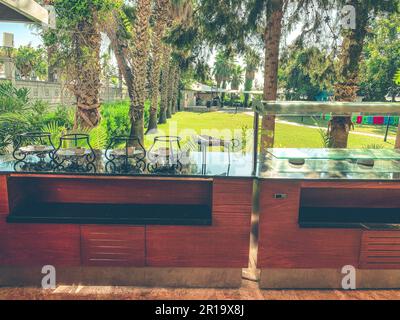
225 125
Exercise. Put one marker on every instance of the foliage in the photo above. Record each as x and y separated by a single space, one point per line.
75 43
17 114
31 61
56 131
62 115
397 77
73 12
223 67
382 59
306 72
236 76
115 118
11 98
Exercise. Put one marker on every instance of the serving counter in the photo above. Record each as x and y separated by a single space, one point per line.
105 225
324 209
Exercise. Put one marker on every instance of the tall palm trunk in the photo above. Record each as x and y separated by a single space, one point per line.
397 143
175 93
346 89
121 96
120 52
51 68
248 84
171 88
272 37
157 53
86 84
169 91
223 93
139 66
164 85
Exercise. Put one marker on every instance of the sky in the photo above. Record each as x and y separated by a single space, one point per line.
23 34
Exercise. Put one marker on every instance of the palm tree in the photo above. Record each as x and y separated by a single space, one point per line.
236 77
139 67
253 61
164 84
162 9
175 94
129 37
222 72
171 87
224 27
272 38
180 13
78 41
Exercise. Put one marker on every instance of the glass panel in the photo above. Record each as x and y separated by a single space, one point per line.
315 108
335 154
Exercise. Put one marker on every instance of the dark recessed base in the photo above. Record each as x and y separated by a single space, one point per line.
345 217
89 213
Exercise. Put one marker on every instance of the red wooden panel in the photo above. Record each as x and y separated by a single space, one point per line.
380 250
113 246
283 244
38 245
224 244
3 195
140 191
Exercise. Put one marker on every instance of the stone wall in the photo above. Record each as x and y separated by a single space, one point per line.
55 93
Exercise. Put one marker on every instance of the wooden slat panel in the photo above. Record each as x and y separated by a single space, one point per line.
4 208
116 246
380 250
224 244
283 244
145 191
38 245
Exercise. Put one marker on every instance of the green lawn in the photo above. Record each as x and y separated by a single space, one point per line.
186 124
374 129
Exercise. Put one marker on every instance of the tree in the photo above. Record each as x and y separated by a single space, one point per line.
253 62
349 62
78 40
231 24
382 58
305 72
31 61
139 59
128 29
176 46
272 36
161 20
236 77
164 84
222 71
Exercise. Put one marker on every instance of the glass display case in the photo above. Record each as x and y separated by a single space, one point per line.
370 164
323 163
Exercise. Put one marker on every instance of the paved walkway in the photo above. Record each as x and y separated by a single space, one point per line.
248 291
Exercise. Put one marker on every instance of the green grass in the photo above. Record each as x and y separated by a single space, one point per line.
220 124
374 129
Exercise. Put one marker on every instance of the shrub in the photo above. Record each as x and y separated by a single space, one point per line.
115 118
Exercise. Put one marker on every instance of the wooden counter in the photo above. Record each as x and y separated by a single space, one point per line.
214 245
303 245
